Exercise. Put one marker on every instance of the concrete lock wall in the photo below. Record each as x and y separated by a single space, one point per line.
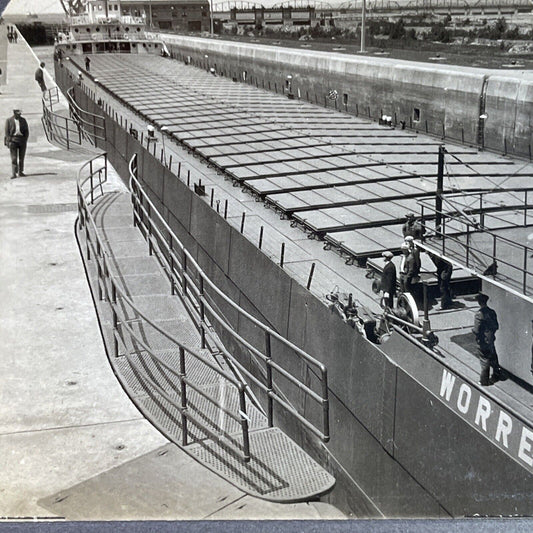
385 426
438 99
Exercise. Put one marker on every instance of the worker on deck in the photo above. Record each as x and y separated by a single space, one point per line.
39 77
16 138
87 64
485 327
444 276
388 280
412 227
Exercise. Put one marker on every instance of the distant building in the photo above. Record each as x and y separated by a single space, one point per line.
180 15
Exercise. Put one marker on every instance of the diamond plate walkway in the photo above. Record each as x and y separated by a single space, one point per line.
278 470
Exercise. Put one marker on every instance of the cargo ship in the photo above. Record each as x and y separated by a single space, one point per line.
342 151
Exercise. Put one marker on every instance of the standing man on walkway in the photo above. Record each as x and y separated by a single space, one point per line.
39 77
16 138
485 327
388 280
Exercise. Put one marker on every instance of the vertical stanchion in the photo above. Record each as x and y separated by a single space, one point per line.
526 251
242 221
261 237
226 209
310 278
183 395
467 244
440 186
282 259
269 384
202 312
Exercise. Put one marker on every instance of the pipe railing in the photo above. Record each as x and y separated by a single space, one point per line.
91 123
110 291
201 293
470 255
58 127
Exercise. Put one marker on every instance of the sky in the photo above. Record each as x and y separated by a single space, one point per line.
31 6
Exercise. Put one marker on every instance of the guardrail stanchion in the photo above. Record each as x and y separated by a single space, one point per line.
325 403
184 273
244 424
202 311
91 177
467 245
115 326
183 396
526 251
67 130
270 391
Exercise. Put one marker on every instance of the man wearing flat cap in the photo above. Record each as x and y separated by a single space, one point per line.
16 138
388 280
485 327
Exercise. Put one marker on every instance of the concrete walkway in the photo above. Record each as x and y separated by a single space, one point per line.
66 427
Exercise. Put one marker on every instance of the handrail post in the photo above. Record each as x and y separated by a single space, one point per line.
202 311
115 325
325 403
244 423
525 208
171 261
91 177
270 390
467 244
526 250
183 396
66 127
184 273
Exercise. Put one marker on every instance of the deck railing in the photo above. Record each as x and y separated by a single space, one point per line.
470 219
91 178
201 293
90 123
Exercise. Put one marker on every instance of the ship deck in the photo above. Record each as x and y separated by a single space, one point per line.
332 175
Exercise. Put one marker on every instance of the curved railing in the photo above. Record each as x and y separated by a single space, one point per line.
90 123
200 293
110 291
77 128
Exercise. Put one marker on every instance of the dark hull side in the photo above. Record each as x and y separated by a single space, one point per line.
399 445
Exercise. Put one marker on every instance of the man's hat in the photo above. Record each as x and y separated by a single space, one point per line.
481 298
409 238
17 110
410 215
387 254
404 246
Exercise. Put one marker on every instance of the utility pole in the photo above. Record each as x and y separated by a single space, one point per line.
440 187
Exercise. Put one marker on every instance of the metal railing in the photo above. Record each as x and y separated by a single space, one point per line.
94 174
199 293
61 128
471 219
90 123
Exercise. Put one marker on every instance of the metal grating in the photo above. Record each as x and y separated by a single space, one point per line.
51 208
279 469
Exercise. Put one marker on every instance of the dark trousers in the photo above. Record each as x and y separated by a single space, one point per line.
17 148
445 292
42 85
488 358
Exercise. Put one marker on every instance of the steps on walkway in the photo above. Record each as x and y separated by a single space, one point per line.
148 367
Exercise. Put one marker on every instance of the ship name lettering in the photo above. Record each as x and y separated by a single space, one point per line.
484 412
525 446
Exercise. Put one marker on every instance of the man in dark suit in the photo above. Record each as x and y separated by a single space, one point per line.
16 138
39 77
388 280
